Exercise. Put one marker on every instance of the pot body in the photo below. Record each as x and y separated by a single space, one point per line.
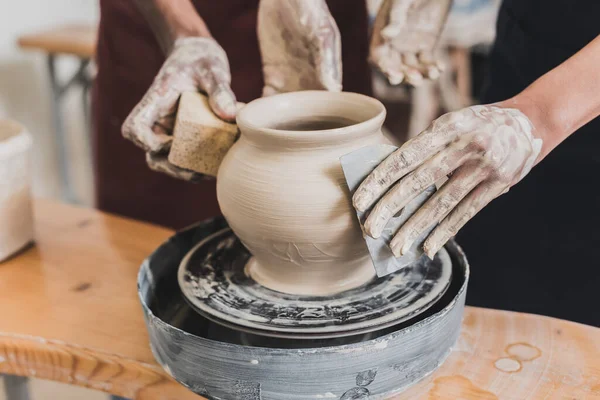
284 194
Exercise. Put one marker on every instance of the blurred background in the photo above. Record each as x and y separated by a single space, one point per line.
26 91
46 68
26 96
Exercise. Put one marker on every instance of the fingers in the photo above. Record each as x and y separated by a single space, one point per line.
195 63
381 53
393 49
438 167
412 68
325 45
139 126
431 67
223 103
214 80
437 207
159 163
404 160
269 90
466 209
151 121
328 54
274 80
414 71
389 62
397 11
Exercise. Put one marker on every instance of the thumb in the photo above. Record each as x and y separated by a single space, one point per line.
327 54
395 12
223 103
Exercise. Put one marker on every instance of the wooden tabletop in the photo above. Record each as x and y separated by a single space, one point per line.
70 313
78 40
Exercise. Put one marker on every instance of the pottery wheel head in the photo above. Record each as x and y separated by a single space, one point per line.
213 281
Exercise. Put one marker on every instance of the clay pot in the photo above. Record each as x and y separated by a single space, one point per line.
16 216
282 190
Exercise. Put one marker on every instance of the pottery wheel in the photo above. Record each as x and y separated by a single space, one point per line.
213 281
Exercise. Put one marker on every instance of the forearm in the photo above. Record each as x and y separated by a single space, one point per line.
171 20
564 99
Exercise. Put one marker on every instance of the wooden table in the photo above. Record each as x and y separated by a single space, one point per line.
70 313
72 40
75 39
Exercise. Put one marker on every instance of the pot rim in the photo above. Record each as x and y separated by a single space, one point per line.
355 103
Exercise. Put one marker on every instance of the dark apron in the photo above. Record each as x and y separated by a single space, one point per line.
535 248
128 58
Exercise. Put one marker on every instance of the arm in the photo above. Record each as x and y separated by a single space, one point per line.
195 61
484 149
300 46
564 99
171 20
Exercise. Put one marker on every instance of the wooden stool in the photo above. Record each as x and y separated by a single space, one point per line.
70 313
70 40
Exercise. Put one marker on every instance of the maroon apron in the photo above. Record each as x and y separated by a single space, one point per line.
128 58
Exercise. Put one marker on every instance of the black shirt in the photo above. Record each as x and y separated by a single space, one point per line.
569 24
536 248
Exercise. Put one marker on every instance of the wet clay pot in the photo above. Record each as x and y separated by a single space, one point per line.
282 190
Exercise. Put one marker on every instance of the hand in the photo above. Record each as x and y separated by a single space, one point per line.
404 37
195 63
300 46
484 149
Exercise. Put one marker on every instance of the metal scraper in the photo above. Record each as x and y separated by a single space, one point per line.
357 166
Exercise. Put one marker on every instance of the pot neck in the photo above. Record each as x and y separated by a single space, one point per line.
270 121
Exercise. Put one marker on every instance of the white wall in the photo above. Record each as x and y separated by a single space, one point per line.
25 90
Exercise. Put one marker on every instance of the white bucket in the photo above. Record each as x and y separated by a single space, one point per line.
16 214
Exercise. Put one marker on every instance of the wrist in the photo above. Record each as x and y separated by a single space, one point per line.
185 29
171 20
543 118
182 21
180 33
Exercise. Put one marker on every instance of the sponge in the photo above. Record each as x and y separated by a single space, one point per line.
200 138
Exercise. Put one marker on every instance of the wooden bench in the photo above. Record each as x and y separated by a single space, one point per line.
70 313
67 40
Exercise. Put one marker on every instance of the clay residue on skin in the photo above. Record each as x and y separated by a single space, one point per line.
485 149
300 46
404 37
195 63
458 387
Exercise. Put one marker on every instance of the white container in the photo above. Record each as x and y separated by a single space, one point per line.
16 214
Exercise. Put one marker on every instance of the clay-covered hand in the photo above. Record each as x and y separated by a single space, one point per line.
404 37
195 63
300 46
483 149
